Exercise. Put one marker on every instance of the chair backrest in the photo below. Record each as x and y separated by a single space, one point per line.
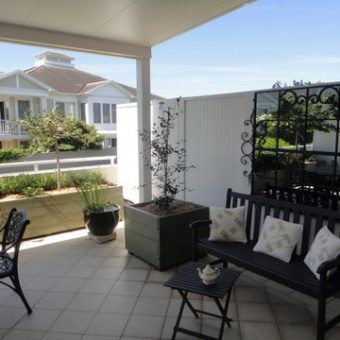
13 231
322 199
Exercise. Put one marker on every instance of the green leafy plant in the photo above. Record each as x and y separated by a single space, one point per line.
32 185
92 199
31 191
11 154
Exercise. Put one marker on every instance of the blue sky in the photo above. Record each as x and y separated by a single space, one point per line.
247 49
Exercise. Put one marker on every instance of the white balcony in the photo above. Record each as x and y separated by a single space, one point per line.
11 128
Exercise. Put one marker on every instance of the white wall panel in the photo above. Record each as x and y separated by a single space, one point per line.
213 128
127 150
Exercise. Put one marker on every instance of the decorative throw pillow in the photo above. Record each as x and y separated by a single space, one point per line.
326 246
227 225
278 238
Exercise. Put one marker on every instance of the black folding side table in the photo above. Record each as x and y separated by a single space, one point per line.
186 280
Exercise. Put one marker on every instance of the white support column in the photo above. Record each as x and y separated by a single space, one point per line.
143 108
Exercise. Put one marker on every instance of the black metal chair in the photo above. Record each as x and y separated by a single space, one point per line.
13 232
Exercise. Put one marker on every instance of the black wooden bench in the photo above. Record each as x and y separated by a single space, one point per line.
295 274
327 199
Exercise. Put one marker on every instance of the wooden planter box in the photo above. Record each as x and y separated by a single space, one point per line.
163 241
55 213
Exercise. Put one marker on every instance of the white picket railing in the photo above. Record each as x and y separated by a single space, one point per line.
35 165
11 127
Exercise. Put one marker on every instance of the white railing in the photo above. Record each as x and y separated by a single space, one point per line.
36 165
10 127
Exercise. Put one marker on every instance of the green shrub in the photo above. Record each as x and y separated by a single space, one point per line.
85 178
47 181
30 192
270 143
32 185
11 154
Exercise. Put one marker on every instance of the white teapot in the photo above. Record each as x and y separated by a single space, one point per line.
208 274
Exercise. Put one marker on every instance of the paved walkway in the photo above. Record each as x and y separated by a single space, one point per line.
81 290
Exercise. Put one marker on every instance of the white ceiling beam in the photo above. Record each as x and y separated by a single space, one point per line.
39 37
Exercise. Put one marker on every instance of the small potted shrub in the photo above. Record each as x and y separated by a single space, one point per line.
100 216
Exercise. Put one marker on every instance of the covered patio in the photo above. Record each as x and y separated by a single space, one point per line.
81 290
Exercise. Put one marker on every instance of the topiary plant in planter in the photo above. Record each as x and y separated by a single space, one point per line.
158 231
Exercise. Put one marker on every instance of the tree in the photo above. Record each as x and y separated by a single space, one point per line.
54 132
168 160
80 136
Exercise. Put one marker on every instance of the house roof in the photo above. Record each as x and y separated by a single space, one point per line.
62 79
74 81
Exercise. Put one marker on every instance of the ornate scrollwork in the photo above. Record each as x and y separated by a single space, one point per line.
247 145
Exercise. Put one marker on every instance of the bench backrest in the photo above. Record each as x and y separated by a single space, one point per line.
322 199
258 207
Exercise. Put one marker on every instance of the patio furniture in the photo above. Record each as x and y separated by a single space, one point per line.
323 199
13 232
187 280
295 274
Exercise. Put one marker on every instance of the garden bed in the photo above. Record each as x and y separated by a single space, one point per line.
55 211
49 210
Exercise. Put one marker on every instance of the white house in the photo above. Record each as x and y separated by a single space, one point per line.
55 82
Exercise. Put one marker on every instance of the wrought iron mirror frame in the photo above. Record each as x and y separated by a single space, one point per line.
253 140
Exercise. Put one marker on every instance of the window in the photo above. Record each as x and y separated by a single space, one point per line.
70 109
23 107
106 113
83 111
96 113
60 107
49 104
114 113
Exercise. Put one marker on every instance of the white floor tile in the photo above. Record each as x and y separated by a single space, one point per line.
144 326
151 306
61 336
27 335
72 322
108 324
55 300
118 304
39 320
9 316
258 330
130 288
97 286
131 274
155 290
86 302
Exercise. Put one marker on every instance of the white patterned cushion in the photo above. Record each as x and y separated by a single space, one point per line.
326 246
278 238
227 225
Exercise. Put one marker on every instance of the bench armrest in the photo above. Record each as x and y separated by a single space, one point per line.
199 223
328 265
194 226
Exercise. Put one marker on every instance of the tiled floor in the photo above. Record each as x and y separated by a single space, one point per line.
82 290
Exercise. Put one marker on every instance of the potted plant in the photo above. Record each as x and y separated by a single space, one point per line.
100 216
158 231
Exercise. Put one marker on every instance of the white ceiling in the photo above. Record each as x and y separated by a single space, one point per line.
136 23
